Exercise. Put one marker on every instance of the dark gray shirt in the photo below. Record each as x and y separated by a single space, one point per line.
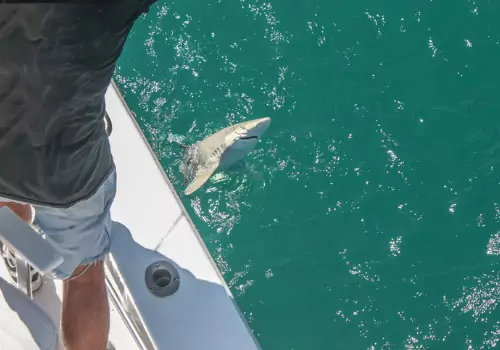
56 62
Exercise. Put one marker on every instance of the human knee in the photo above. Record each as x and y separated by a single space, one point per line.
92 273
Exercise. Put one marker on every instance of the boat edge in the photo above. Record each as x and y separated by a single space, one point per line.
184 212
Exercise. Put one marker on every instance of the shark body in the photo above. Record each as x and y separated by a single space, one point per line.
223 149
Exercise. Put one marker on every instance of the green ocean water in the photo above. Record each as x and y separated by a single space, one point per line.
369 215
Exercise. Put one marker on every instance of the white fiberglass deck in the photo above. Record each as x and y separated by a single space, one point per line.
152 225
202 314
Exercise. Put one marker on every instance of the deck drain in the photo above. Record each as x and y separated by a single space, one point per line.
162 278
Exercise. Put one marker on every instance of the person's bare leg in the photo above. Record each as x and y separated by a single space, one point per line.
22 210
85 309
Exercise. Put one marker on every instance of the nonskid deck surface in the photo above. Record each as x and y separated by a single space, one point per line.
152 225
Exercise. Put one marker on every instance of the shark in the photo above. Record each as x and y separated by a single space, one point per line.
222 149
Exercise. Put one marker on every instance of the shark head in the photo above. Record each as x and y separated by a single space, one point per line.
245 135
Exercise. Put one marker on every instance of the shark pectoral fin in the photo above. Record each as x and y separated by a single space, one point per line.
201 177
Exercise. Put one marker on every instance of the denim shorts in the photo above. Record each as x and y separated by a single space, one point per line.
81 233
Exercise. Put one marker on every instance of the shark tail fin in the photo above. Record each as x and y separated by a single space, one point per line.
178 140
180 144
201 177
